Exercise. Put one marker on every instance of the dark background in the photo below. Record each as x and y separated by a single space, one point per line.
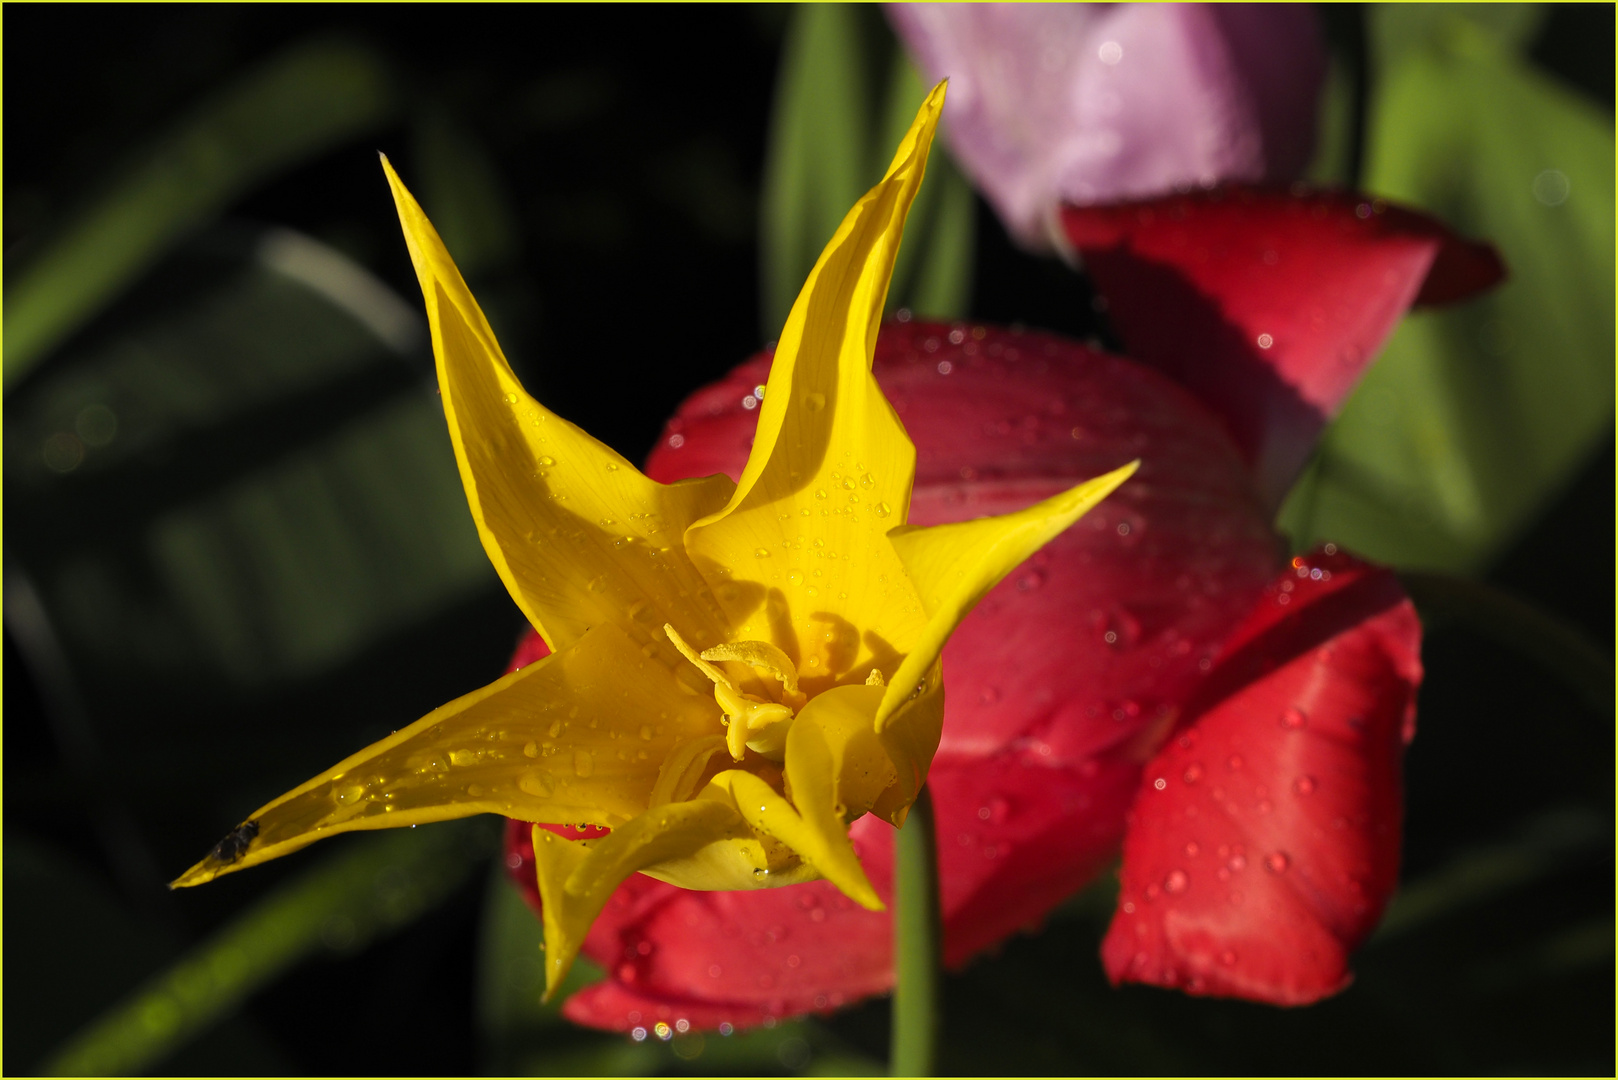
629 144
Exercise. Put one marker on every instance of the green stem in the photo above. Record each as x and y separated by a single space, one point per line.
373 888
1526 630
917 940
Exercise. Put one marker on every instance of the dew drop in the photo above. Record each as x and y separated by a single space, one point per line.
511 399
545 459
1304 785
883 510
1193 772
537 782
349 794
1176 882
1294 718
761 553
583 764
1228 958
530 749
814 402
465 757
1277 861
646 732
555 729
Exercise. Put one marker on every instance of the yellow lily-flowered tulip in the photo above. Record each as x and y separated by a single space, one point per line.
738 670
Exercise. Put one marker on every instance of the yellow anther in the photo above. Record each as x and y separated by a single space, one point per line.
875 678
719 677
759 654
750 721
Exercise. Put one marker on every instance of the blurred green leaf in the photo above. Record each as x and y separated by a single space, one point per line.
379 885
1476 416
1544 844
830 140
243 479
519 1031
460 185
82 951
816 163
932 274
1398 29
299 103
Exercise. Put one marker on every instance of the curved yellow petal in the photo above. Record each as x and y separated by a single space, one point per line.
575 737
575 531
836 767
831 466
952 566
828 851
910 736
577 876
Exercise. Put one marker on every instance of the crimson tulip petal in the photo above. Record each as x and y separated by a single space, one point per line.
1094 641
1264 842
1017 837
1267 304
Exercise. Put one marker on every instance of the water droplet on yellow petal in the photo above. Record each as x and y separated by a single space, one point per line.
583 763
349 794
537 782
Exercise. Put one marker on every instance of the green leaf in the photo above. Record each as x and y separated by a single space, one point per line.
242 481
830 140
299 103
1396 30
517 1028
377 886
460 184
1476 416
932 275
816 164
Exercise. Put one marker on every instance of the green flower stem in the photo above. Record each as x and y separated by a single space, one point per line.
378 885
917 943
1526 630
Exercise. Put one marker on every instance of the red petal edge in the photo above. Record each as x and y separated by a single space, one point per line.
1270 304
1264 841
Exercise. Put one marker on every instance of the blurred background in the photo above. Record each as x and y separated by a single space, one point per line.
238 549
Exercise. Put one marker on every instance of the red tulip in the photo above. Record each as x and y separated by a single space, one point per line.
1160 676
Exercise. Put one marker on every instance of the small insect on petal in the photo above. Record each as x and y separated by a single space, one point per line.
235 843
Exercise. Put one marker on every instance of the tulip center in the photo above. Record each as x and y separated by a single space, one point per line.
752 721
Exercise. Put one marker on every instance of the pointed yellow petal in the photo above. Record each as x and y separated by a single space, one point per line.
577 534
952 566
830 462
771 813
577 876
576 737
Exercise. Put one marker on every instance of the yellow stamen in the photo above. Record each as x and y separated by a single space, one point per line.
752 722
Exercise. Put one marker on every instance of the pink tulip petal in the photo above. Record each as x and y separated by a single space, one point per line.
1093 102
1267 305
1264 842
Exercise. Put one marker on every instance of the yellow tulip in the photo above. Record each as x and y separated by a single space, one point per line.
738 670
